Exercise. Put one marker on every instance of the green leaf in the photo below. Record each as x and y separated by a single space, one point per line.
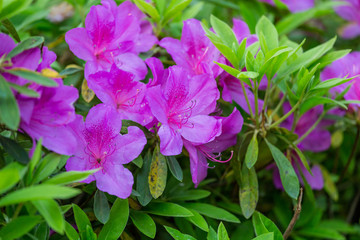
212 235
192 11
38 192
81 219
212 212
174 10
51 211
70 71
167 209
235 73
119 215
252 152
13 7
19 227
189 195
148 9
332 56
70 232
331 83
223 30
33 76
222 233
101 207
315 101
338 225
9 109
69 177
329 184
263 225
267 33
177 235
198 220
14 150
265 236
47 166
10 27
89 234
319 232
138 161
175 168
29 43
10 175
142 185
249 191
288 176
24 90
144 223
157 174
42 231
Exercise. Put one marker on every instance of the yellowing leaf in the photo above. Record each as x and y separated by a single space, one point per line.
50 73
86 92
158 174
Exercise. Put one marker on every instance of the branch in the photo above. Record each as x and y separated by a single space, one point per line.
297 210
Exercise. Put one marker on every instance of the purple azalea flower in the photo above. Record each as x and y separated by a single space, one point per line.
346 66
100 145
182 104
294 5
350 12
199 154
44 117
158 71
194 51
47 117
319 135
112 35
118 89
232 90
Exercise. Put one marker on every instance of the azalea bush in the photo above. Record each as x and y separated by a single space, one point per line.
179 119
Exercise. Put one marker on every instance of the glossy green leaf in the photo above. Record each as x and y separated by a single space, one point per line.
157 174
38 192
249 191
315 101
42 231
24 90
14 150
69 177
9 110
144 223
101 207
177 235
19 227
10 27
267 33
212 235
167 209
222 233
29 43
212 211
288 176
70 71
81 219
234 72
173 10
148 9
33 76
332 56
175 167
252 152
189 195
52 214
70 232
223 30
263 225
10 175
47 166
142 185
331 83
119 215
198 220
265 236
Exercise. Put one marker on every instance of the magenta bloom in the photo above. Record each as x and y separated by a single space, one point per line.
112 35
182 104
350 12
118 89
294 5
230 127
194 51
100 145
232 90
348 65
